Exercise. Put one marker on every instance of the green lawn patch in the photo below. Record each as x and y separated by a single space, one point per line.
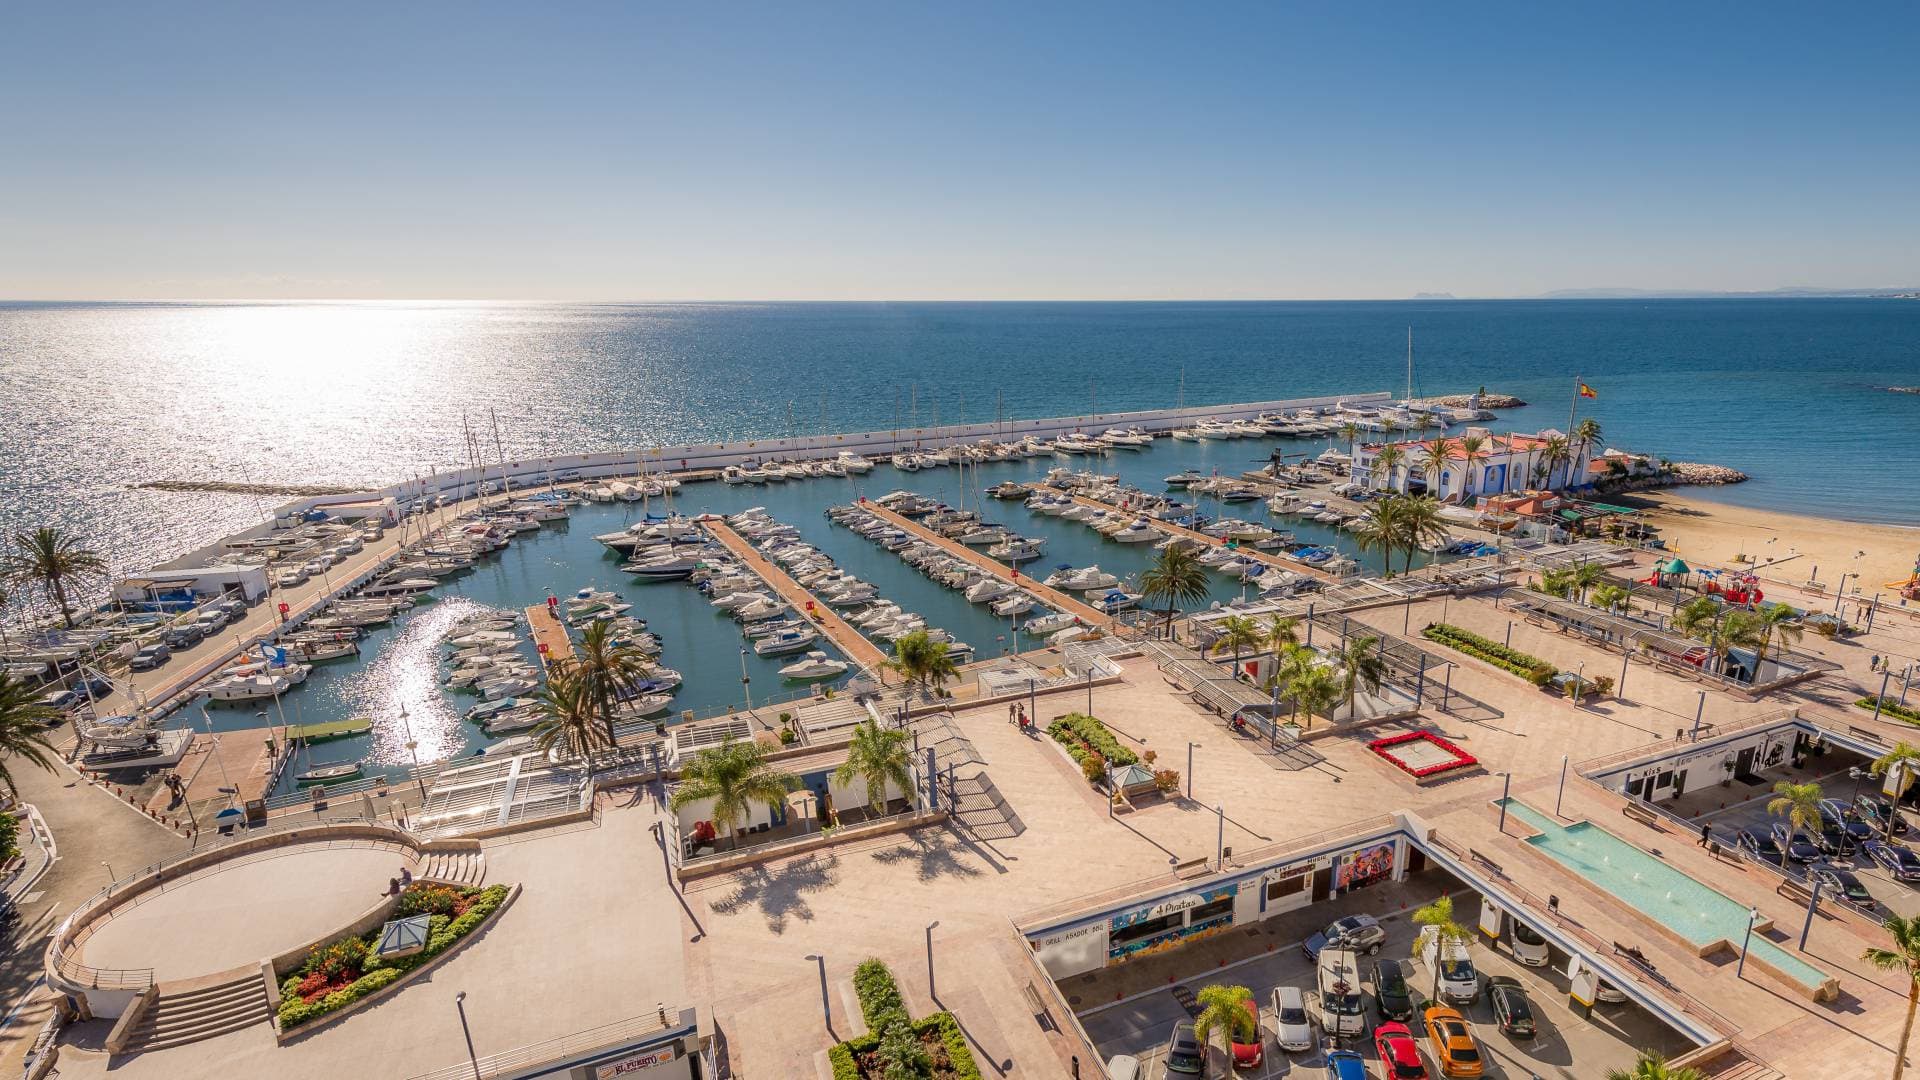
1529 667
1083 735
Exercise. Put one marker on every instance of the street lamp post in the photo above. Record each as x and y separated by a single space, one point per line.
1220 839
1698 711
931 992
1190 747
1753 916
1563 786
460 1003
1506 789
1813 903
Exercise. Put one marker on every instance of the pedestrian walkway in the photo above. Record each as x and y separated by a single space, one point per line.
849 641
549 636
1060 601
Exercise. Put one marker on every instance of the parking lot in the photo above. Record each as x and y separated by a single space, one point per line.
1570 1044
1890 896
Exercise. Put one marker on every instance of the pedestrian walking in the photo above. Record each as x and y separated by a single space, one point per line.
1706 834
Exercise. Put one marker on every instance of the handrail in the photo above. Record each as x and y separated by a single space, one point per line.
1655 749
558 1048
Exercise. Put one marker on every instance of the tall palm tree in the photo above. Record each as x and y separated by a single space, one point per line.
1554 454
1703 619
1586 576
1799 804
1778 620
877 757
1583 435
1360 665
1350 431
23 729
1390 458
571 716
1223 1008
921 660
1379 529
53 559
608 668
1439 916
1312 687
1609 597
1652 1065
1903 761
1420 523
1473 451
1237 632
1283 633
735 775
1176 577
1904 958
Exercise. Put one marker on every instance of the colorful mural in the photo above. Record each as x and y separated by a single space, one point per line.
1361 868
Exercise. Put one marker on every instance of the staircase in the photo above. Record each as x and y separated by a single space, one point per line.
177 1019
467 868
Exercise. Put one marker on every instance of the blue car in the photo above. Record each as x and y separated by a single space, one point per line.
1345 1065
1900 862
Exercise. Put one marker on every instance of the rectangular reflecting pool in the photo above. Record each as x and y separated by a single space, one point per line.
1692 910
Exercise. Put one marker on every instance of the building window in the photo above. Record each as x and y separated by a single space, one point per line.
1208 912
1140 931
1287 886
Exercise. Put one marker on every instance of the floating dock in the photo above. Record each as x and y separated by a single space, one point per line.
835 629
1057 599
549 636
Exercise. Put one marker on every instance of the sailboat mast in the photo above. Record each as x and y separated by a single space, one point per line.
506 484
1409 363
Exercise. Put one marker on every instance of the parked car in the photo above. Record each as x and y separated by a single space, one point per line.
1607 992
1458 981
1834 841
150 657
1529 947
63 700
1361 933
1797 846
1898 861
1185 1055
1345 1065
1452 1042
1511 1011
184 636
1125 1067
1290 1027
1837 882
1390 994
93 689
1399 1057
1877 810
1247 1055
210 619
1839 815
1761 847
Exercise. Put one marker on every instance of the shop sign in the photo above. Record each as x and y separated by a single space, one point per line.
1068 935
635 1064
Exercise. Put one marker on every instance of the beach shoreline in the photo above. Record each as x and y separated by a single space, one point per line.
1785 547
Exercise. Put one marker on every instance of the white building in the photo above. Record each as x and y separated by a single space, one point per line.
1507 463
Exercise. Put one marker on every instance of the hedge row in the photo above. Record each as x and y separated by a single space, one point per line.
378 972
878 993
1892 707
846 1065
1529 667
1079 733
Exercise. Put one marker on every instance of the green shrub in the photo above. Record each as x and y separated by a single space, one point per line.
9 836
1892 707
879 995
1529 667
1084 736
377 971
844 1067
955 1040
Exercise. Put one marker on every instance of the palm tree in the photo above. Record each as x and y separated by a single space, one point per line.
1360 665
1799 804
1389 458
1283 633
1609 597
1584 435
877 757
1237 632
23 729
1778 619
1379 529
1439 916
1904 958
1350 431
1473 450
920 659
1653 1066
1555 453
1420 524
608 668
1702 618
1586 576
1223 1008
1904 761
1312 687
1176 577
572 719
53 559
1435 457
735 775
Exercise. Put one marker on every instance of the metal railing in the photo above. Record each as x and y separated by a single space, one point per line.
1652 751
559 1048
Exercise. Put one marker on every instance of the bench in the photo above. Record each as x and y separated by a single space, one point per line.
1794 889
1192 867
1038 1007
1641 814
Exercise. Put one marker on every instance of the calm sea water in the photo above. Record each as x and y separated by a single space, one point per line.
101 396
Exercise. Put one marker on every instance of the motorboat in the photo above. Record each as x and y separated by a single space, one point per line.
787 641
492 709
1136 532
1016 549
989 589
1114 600
1049 623
741 599
1129 438
814 665
1183 479
1070 634
1185 435
518 720
516 744
1007 606
853 462
664 568
1085 579
1008 490
507 687
327 774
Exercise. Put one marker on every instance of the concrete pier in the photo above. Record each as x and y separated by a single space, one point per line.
1057 599
549 636
835 629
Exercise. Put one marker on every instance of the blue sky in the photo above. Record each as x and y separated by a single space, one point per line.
954 151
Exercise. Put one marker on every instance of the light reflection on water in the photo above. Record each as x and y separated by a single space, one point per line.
400 690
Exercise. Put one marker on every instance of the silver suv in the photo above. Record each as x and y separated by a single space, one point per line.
1361 933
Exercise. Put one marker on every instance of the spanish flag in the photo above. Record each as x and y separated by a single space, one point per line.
1587 391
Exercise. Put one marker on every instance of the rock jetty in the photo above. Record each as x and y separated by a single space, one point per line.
1675 474
232 488
1487 401
1904 389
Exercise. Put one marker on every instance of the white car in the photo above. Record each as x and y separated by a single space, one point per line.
1529 947
1290 1027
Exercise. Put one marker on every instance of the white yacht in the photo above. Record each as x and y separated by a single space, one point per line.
989 589
814 665
786 641
1082 580
853 463
1135 532
1008 606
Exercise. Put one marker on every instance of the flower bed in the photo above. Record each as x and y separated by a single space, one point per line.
1082 735
1892 707
342 972
1422 754
895 1046
1529 667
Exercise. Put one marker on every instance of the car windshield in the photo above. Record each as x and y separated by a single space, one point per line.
1180 1058
1343 1004
1523 932
1293 1016
1409 1070
1457 970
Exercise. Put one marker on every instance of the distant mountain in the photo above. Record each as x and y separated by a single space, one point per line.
1651 294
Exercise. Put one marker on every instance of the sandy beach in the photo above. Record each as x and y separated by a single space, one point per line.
1787 548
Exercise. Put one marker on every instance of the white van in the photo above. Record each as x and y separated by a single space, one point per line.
1340 1002
1458 981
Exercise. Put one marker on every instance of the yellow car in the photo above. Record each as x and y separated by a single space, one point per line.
1452 1042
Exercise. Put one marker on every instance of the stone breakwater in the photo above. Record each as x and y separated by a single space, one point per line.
1487 401
1904 389
1682 473
232 488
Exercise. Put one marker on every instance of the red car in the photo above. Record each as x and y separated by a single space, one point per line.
1246 1055
1399 1054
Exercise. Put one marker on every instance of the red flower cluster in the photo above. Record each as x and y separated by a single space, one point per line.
1461 759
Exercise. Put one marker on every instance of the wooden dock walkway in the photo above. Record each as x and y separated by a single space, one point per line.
1281 561
851 643
549 636
1046 594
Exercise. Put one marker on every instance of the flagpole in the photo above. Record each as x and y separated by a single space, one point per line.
1574 407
